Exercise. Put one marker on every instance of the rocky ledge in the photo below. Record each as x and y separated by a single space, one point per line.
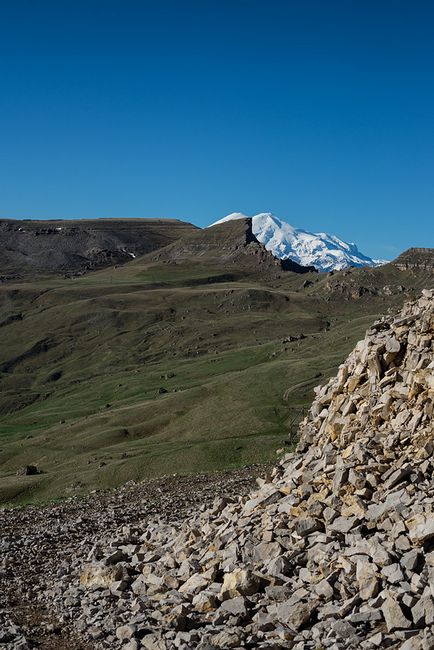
335 549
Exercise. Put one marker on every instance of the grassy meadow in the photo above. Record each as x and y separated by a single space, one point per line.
151 369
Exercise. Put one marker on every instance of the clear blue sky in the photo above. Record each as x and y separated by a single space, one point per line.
319 111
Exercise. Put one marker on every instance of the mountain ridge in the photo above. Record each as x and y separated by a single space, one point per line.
76 246
321 250
231 243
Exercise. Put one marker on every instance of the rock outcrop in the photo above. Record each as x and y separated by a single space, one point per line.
416 259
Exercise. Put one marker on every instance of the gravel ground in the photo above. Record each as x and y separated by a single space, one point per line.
37 545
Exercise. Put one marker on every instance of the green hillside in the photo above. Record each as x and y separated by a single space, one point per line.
155 368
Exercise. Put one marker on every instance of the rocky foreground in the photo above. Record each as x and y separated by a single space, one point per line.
41 547
334 550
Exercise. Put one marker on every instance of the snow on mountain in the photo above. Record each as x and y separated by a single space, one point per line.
323 251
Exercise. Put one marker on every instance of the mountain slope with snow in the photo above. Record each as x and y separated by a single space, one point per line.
323 251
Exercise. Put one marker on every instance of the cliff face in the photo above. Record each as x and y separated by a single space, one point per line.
335 548
416 258
232 244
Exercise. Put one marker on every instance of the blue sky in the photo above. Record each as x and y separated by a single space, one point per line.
321 112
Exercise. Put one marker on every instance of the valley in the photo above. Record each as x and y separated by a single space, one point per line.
176 361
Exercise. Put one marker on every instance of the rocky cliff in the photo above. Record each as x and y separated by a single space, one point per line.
416 259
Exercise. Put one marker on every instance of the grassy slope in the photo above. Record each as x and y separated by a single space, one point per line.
120 336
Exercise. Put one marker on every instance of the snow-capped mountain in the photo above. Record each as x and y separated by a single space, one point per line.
324 252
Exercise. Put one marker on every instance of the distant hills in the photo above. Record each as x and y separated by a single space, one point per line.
323 251
75 246
78 246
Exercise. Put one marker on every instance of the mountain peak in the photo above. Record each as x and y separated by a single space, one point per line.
323 251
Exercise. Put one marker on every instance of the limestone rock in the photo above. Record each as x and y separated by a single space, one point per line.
100 576
421 528
241 582
393 614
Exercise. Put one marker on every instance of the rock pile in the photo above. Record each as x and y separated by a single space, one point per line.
41 544
334 550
